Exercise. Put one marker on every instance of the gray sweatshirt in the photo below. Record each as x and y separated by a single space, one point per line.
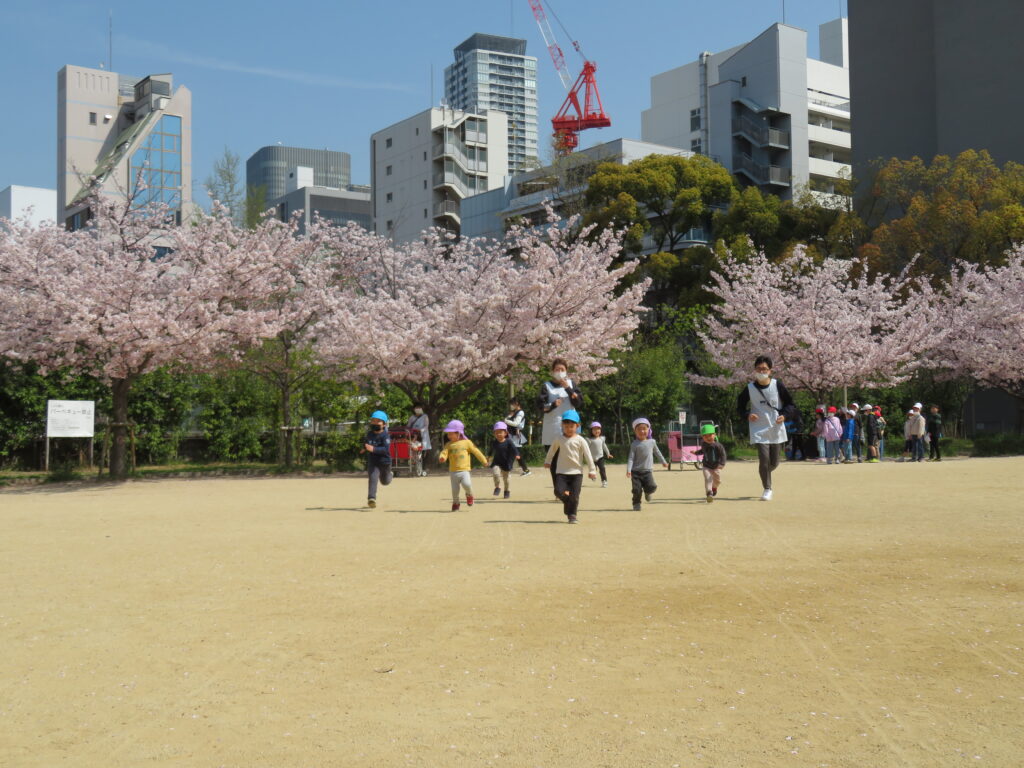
641 456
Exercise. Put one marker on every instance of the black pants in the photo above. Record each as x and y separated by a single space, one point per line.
554 463
933 446
378 471
767 462
643 482
600 468
567 489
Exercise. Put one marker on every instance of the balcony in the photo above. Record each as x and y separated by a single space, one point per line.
760 134
820 167
762 174
449 208
828 136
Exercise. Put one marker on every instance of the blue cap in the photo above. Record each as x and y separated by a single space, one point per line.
379 415
571 415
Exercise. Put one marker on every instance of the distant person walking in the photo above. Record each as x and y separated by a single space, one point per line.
766 404
516 421
917 428
933 423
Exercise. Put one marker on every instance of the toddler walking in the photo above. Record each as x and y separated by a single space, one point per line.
599 450
640 464
573 453
712 462
504 454
377 444
458 452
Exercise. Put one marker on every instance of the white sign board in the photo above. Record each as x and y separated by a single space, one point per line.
70 418
682 417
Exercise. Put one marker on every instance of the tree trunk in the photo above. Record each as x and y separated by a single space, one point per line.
119 427
286 425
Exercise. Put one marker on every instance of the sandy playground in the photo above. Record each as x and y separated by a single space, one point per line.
868 616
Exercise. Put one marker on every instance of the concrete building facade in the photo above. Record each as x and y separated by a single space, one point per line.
338 206
119 135
268 168
424 166
494 73
36 204
935 77
524 195
774 117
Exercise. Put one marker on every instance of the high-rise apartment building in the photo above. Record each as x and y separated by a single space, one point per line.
424 166
935 77
494 73
120 135
268 167
774 117
34 204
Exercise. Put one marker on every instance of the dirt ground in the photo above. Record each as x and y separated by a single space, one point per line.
871 615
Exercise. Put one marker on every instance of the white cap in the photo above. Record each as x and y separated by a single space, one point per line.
917 405
867 407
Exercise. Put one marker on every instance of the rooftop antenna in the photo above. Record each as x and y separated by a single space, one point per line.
431 83
110 40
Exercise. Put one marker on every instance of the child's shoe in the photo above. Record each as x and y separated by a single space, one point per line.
469 500
525 472
604 483
497 490
647 495
371 503
714 491
711 497
455 506
507 494
636 507
572 519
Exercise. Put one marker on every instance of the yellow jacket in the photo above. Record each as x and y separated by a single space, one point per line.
458 453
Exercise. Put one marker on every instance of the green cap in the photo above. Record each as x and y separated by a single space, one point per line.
707 429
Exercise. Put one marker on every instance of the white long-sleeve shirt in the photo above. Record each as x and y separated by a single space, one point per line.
573 455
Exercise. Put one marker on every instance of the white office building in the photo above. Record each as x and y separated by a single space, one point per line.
424 166
494 73
35 204
768 113
119 135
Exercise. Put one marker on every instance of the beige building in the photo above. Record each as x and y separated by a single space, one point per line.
123 136
423 167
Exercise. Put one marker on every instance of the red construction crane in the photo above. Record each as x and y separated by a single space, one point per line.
571 118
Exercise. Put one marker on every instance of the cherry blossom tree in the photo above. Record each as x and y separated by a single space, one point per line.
131 293
984 312
825 326
440 318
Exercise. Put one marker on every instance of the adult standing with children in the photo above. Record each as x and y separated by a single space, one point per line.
421 422
557 396
766 404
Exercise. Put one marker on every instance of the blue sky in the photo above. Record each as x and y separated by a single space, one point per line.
331 73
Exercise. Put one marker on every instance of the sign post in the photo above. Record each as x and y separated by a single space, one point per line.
69 418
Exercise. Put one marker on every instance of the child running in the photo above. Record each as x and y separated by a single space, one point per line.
599 450
504 454
457 452
573 453
377 444
713 460
640 464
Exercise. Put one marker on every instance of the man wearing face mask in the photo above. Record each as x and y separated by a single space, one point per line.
766 404
419 420
557 395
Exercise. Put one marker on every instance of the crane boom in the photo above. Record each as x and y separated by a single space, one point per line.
549 39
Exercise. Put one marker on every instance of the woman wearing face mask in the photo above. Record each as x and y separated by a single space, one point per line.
419 420
557 395
766 404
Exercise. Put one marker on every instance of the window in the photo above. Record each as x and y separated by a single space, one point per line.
424 155
389 197
92 118
695 119
387 143
387 171
424 213
743 81
695 146
388 226
424 183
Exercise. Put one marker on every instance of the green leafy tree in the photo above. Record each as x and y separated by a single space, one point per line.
225 184
255 205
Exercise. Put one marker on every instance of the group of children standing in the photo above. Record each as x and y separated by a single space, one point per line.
570 454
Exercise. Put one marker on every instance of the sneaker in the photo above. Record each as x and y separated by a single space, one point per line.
497 490
469 500
710 497
371 503
455 506
714 491
507 494
636 507
525 472
648 495
604 483
572 519
767 495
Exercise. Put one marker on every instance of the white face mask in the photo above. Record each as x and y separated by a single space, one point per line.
559 375
762 377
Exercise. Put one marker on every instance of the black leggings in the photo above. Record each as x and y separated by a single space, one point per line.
600 468
567 489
